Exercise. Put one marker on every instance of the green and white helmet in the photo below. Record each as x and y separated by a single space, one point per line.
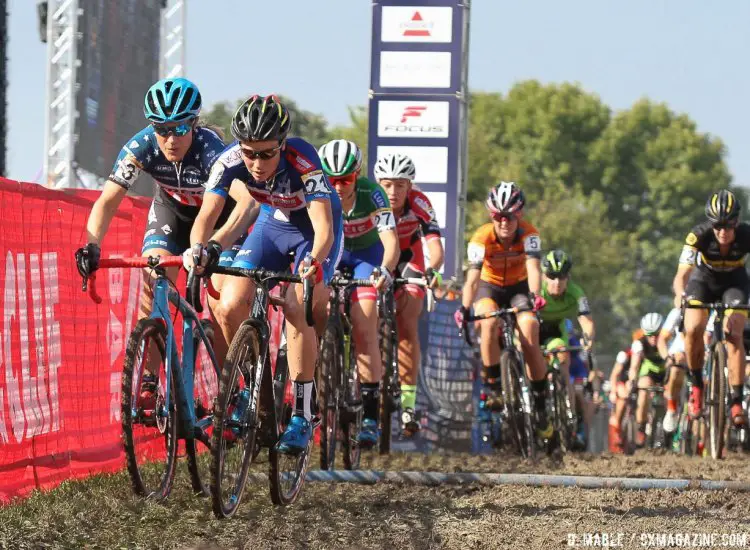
340 157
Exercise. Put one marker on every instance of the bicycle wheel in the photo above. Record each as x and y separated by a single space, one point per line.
563 418
391 388
351 416
329 369
688 435
628 433
717 401
516 397
149 435
205 388
235 422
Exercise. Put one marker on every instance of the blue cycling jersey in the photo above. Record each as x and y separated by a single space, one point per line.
182 181
298 180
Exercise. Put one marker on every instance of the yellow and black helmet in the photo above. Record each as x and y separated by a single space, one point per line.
260 119
723 207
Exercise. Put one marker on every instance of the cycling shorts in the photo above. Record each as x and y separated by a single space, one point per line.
361 263
730 287
271 243
516 295
411 264
169 227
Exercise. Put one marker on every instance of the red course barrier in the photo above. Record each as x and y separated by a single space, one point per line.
60 354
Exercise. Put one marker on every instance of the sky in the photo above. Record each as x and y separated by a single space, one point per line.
691 54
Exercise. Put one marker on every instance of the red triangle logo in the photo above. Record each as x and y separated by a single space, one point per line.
417 31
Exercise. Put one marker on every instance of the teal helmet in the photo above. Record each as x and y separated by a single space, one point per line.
172 100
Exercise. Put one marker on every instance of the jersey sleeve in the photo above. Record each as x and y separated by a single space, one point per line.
211 146
426 215
130 162
622 358
636 346
304 159
382 216
475 250
227 167
582 301
670 324
532 245
689 253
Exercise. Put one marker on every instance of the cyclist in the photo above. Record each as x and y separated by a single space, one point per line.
618 394
370 243
566 300
300 215
671 340
712 268
647 368
177 152
415 219
504 271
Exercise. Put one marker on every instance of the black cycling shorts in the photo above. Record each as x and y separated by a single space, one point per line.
730 287
169 226
516 295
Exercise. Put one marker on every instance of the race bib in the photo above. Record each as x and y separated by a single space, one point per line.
315 183
475 253
532 244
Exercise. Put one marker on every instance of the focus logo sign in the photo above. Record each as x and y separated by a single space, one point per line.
417 24
424 119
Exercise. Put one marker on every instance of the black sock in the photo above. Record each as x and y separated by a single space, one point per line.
370 400
737 392
696 378
539 392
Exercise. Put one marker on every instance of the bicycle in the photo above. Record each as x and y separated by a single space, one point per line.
245 414
515 385
561 410
339 390
177 413
388 333
716 400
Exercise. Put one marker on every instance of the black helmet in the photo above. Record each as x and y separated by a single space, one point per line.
556 262
261 119
723 207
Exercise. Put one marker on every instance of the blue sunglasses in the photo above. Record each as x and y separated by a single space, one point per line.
179 131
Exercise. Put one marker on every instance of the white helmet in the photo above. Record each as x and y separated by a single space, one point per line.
651 323
340 157
394 166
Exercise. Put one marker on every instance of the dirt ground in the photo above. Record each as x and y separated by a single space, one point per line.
101 512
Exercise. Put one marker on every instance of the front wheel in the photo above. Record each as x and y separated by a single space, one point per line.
717 401
329 369
351 416
149 429
391 393
517 402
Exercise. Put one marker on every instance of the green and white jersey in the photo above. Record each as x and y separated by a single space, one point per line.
370 215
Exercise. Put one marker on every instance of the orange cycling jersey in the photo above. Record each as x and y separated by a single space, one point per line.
503 266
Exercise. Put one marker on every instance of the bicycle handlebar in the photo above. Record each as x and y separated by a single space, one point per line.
720 306
340 281
561 349
89 283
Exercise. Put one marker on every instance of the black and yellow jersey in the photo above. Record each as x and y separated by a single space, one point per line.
702 249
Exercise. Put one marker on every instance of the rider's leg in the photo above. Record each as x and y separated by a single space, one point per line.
369 364
408 311
672 390
695 325
736 361
528 326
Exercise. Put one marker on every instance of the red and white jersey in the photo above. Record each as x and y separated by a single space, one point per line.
417 220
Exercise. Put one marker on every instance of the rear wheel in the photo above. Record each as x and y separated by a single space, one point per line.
329 370
205 389
351 416
391 388
563 418
149 435
629 428
717 401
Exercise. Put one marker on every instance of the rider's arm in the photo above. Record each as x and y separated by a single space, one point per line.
437 254
587 325
636 359
104 210
204 223
534 271
662 343
321 219
687 263
391 249
243 215
470 287
616 370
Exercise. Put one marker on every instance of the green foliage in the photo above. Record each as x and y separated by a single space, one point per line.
618 191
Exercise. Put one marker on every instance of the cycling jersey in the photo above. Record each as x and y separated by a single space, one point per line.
284 226
702 249
623 358
651 356
671 326
370 215
182 182
298 180
503 266
572 303
418 215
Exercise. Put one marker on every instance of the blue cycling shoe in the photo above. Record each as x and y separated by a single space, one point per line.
296 437
368 435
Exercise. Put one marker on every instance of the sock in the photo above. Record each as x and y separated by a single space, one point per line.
408 396
491 377
539 392
303 397
642 427
696 378
671 405
370 400
737 394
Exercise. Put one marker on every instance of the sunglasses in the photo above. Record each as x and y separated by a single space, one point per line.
727 226
500 216
343 180
266 154
555 276
179 131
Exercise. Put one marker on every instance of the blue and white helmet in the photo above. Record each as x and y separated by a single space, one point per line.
172 100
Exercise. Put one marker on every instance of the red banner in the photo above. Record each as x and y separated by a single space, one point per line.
61 355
